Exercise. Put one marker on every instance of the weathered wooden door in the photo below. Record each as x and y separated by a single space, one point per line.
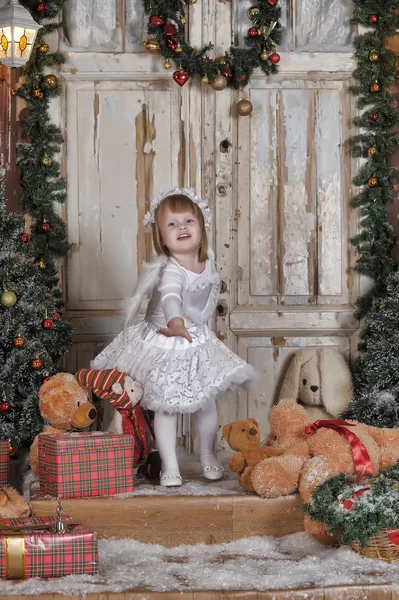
278 181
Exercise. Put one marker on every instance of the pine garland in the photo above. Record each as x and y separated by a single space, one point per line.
357 519
375 75
235 68
33 337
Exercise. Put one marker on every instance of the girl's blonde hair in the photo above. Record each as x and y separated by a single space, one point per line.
178 203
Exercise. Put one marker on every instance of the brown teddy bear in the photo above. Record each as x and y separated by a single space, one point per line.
64 405
320 380
12 505
314 452
244 436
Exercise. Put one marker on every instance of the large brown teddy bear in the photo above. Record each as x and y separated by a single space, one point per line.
312 457
64 405
244 436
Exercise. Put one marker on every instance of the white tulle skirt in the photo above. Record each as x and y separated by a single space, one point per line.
177 376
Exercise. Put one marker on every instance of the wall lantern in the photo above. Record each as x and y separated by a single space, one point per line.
18 31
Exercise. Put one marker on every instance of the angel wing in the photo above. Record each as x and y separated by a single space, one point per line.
146 282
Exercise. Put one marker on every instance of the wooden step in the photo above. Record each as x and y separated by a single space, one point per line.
175 520
354 592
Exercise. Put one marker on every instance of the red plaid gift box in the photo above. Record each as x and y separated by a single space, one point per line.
75 465
32 550
4 463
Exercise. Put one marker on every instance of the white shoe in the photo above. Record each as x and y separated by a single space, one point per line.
212 472
172 480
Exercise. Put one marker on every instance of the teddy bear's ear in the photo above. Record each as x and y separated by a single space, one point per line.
290 388
226 432
336 382
255 422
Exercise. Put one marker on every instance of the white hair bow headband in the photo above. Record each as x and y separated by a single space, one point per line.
149 217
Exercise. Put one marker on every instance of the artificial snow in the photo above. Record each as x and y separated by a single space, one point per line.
257 563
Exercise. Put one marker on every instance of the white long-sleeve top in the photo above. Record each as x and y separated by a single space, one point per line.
183 293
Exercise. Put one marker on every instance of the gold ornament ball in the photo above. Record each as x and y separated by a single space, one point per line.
264 55
253 12
374 56
166 64
183 20
8 299
11 449
244 107
371 151
46 160
41 264
18 342
375 87
36 364
44 48
373 181
37 93
51 81
219 83
205 80
152 46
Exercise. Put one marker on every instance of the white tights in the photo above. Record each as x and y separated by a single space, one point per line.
206 422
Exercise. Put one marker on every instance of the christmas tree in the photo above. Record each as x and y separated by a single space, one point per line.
32 338
375 373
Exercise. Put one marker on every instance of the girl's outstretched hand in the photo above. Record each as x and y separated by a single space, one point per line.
175 329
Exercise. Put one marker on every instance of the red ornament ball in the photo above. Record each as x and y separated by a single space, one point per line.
155 20
5 407
25 238
36 364
253 32
45 227
241 78
41 7
56 316
46 379
274 58
48 324
373 19
374 116
18 342
170 29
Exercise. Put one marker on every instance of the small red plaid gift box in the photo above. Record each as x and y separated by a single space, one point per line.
75 465
4 463
30 547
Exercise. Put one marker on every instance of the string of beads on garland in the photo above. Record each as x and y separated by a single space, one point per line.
166 29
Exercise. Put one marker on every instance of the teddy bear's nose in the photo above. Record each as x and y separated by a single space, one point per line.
92 414
314 388
252 431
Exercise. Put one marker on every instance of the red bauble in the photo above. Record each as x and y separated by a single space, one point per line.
374 116
56 316
47 324
25 238
155 20
373 19
41 7
274 58
272 2
241 79
170 29
45 227
46 379
253 32
172 44
181 77
5 407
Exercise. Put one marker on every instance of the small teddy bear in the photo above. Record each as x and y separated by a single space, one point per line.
244 436
12 505
319 379
64 405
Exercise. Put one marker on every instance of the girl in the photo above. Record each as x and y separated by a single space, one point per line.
181 364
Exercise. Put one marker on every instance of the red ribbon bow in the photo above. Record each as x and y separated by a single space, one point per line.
360 455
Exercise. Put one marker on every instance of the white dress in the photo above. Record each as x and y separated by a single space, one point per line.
178 376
